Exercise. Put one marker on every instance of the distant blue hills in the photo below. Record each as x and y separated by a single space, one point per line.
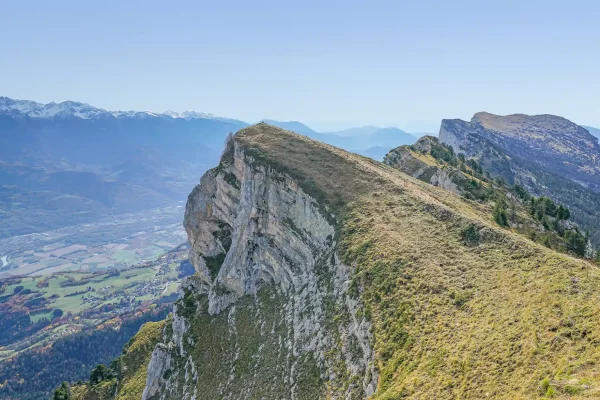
361 140
593 131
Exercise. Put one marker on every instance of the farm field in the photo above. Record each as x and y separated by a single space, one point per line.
119 242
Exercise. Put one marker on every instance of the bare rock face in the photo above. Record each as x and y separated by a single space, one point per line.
265 230
473 142
159 364
261 246
416 161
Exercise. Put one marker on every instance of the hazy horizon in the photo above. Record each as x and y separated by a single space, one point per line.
330 66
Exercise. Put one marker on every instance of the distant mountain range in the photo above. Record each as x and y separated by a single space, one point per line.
67 109
67 163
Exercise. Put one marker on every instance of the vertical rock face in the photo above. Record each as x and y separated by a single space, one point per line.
270 296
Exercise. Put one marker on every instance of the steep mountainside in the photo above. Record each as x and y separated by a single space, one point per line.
131 369
548 155
323 274
421 161
555 143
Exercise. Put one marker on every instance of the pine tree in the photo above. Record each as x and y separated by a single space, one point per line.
63 392
500 215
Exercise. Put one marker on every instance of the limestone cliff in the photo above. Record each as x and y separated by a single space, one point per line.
271 288
554 143
473 141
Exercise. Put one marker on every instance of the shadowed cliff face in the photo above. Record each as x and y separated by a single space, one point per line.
475 142
552 142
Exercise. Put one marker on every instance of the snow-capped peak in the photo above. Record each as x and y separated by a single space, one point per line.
188 114
172 114
33 109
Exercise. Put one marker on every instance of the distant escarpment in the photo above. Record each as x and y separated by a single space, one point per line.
546 154
554 143
539 218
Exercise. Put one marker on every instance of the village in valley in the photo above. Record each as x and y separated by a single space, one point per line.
38 309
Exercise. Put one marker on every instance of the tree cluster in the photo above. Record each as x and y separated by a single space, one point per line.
34 374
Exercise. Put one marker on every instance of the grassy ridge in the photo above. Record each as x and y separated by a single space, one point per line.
506 318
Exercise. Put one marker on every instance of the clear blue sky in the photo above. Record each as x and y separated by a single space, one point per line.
327 63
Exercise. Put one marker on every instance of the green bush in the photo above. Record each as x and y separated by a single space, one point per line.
576 242
101 373
500 215
470 234
63 392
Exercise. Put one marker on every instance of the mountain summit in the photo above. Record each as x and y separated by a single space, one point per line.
553 142
323 274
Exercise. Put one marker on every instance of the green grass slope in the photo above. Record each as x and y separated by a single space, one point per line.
497 317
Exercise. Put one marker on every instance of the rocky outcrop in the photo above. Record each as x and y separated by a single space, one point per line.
270 293
416 161
546 154
472 141
159 364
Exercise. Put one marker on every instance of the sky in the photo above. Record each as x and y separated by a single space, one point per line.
330 64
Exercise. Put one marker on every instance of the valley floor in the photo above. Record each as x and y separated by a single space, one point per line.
118 242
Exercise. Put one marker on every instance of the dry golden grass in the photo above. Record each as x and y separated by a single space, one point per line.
506 319
134 363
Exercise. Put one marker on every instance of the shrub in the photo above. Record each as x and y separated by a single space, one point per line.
576 242
214 264
500 215
101 373
470 234
468 196
461 298
63 392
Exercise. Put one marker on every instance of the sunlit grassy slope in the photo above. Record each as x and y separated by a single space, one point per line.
133 365
135 360
504 318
